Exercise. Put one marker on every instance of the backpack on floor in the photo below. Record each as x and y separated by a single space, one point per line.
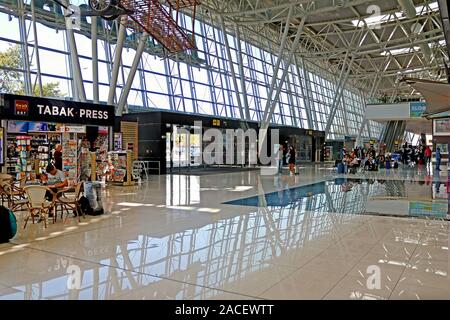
8 224
85 206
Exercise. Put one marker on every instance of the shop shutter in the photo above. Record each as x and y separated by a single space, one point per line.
130 137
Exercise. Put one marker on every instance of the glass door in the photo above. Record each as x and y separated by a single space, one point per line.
183 148
195 150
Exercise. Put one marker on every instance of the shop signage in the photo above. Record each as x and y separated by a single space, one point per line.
441 127
21 108
417 109
24 108
73 129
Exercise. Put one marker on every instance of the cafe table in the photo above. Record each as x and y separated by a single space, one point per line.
5 176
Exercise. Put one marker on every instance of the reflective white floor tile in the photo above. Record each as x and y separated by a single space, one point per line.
358 288
303 284
412 292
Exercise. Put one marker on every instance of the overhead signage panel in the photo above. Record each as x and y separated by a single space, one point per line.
25 108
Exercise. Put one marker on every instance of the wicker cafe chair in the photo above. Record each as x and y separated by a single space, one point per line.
3 194
15 199
38 205
19 188
70 201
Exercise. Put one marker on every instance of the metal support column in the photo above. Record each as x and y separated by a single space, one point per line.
280 57
143 84
36 49
78 78
242 73
338 95
131 74
212 89
292 105
231 65
374 88
305 92
169 84
94 45
117 59
24 40
272 102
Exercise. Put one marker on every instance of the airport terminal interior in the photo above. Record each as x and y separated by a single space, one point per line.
224 150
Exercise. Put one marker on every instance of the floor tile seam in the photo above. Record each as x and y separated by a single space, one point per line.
139 272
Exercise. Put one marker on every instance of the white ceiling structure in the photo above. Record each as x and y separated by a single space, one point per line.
381 40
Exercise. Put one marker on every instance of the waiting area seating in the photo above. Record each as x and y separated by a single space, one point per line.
38 201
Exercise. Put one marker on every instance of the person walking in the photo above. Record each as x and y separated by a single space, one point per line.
292 160
438 159
428 155
279 159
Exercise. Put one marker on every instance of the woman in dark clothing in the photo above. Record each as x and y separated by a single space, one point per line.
292 160
57 157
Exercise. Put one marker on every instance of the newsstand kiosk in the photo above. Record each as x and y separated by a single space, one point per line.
31 127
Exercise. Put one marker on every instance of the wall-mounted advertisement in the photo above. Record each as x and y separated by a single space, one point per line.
17 126
441 127
37 127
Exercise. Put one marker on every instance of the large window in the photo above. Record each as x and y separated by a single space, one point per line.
202 83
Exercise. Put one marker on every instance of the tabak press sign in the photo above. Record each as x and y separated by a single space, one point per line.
14 107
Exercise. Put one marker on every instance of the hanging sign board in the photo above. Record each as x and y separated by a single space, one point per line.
417 109
15 107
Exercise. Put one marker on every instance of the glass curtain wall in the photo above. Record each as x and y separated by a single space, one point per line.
201 83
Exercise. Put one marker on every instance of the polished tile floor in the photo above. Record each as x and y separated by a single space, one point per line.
175 238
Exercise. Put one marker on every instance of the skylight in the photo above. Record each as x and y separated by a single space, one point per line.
375 19
395 52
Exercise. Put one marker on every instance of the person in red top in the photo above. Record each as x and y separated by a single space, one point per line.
428 155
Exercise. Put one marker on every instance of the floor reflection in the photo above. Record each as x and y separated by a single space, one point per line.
357 195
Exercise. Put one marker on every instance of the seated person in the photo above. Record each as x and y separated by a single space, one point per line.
55 178
370 164
354 163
